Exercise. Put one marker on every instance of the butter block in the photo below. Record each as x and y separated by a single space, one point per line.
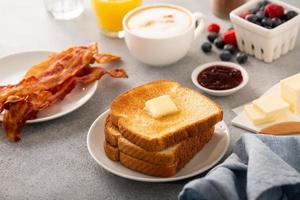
161 106
290 92
257 116
271 106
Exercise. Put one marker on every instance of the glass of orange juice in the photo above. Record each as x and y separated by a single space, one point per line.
110 13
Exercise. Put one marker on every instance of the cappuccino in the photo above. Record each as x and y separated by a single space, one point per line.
159 22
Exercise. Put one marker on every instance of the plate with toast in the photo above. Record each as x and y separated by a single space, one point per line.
159 132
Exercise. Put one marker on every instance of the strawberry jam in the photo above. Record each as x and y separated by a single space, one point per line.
220 78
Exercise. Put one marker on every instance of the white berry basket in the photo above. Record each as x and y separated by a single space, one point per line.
265 44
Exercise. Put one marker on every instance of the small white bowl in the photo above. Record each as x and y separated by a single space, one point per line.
200 68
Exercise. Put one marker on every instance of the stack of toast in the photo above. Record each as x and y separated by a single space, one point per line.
159 146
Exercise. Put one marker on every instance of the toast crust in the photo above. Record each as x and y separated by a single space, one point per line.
149 168
172 136
111 151
111 132
167 156
149 162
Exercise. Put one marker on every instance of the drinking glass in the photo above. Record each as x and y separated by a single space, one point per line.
65 9
110 13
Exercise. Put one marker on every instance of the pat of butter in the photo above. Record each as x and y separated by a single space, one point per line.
290 91
271 105
161 106
257 116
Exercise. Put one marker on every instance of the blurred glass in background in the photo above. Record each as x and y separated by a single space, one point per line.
65 9
110 14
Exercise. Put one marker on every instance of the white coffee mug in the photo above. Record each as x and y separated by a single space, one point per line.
167 50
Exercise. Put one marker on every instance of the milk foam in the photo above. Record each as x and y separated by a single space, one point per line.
159 22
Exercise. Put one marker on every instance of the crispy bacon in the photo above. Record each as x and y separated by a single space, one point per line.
49 82
106 58
15 117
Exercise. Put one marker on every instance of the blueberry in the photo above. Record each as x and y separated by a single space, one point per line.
260 15
263 4
290 14
254 10
229 47
276 22
219 43
283 18
252 18
212 36
206 47
225 55
258 23
266 22
241 57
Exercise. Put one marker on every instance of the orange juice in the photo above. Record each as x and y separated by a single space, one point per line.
110 13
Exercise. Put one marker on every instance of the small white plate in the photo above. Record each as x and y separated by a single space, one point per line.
200 68
14 67
204 160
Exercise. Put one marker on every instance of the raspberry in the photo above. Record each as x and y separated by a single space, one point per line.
213 27
229 37
244 14
274 10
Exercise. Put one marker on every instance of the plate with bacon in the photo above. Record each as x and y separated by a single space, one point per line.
41 85
16 70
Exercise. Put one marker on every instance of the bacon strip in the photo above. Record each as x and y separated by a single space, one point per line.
14 119
49 82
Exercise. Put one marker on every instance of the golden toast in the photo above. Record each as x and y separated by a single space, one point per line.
197 114
163 163
169 155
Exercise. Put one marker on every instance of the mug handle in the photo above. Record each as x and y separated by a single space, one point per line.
199 19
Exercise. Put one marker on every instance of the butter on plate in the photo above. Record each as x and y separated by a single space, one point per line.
257 116
290 91
266 109
161 106
271 105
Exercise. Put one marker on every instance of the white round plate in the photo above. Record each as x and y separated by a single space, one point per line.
204 160
14 67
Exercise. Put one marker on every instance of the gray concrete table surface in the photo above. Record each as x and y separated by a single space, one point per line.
52 160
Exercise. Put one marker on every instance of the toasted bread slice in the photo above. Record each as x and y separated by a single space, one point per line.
165 170
112 152
112 133
135 164
165 157
196 114
147 168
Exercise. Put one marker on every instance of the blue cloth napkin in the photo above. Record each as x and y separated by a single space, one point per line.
260 167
